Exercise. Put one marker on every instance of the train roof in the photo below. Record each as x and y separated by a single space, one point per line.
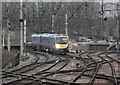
47 35
35 35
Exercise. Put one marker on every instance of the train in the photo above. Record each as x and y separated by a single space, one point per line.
55 43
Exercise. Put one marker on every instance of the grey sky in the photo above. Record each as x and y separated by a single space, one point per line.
60 0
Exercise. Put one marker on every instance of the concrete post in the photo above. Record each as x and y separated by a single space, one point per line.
21 29
66 24
8 26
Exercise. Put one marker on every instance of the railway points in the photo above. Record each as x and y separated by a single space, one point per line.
84 67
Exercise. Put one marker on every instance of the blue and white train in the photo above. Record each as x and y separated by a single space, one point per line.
57 43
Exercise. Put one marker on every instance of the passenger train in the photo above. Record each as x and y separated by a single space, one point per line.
56 43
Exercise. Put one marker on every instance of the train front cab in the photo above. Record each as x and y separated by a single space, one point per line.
61 44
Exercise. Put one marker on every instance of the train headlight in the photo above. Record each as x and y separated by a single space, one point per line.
61 46
57 46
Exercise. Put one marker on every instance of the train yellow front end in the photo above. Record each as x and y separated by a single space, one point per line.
62 43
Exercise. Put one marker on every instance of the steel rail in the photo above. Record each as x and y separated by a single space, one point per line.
98 66
55 63
53 72
80 74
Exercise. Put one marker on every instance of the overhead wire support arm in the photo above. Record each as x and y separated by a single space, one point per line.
85 3
67 19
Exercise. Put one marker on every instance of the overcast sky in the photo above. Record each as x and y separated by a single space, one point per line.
60 0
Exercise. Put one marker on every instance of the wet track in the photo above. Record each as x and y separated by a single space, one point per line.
85 67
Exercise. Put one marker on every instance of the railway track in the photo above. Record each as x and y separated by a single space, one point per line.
37 64
26 68
87 69
101 61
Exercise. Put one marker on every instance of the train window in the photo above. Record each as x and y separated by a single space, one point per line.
40 38
62 40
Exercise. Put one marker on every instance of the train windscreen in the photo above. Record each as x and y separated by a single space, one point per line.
61 40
